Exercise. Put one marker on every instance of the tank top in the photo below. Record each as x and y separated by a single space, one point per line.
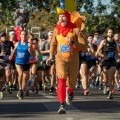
22 56
109 49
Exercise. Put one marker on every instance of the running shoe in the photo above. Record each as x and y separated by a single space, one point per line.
118 88
106 90
62 110
1 95
8 89
27 92
101 86
20 95
93 84
86 93
52 89
69 97
36 91
113 91
45 88
110 96
78 84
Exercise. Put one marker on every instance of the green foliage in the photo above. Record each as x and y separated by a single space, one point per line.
97 17
100 18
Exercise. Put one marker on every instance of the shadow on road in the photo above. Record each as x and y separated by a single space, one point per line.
81 106
98 106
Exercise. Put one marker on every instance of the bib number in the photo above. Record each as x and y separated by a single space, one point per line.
64 48
21 55
111 54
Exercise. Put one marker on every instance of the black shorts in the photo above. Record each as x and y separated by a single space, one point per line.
108 63
25 67
45 66
82 59
90 63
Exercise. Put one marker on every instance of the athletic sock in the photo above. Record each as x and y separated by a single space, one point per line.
61 90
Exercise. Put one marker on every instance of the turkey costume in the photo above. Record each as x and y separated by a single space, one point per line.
67 53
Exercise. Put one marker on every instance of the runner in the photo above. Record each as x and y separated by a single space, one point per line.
52 67
2 72
108 51
13 69
33 65
87 66
96 39
117 73
6 47
23 50
64 45
44 50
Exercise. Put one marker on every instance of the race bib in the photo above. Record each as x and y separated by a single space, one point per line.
111 54
64 48
21 55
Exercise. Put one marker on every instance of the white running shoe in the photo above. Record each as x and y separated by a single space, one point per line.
62 110
69 97
1 95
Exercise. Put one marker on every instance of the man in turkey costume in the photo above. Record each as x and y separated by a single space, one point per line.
65 45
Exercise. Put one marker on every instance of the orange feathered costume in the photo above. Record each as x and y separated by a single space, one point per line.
67 56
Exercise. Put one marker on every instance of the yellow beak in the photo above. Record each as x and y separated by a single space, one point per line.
60 11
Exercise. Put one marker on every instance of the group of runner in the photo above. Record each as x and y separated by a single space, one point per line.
25 64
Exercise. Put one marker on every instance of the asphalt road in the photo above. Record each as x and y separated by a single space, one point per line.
44 107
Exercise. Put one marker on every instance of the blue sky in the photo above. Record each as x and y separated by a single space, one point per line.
105 2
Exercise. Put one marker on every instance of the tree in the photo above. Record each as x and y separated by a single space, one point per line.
6 10
43 13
